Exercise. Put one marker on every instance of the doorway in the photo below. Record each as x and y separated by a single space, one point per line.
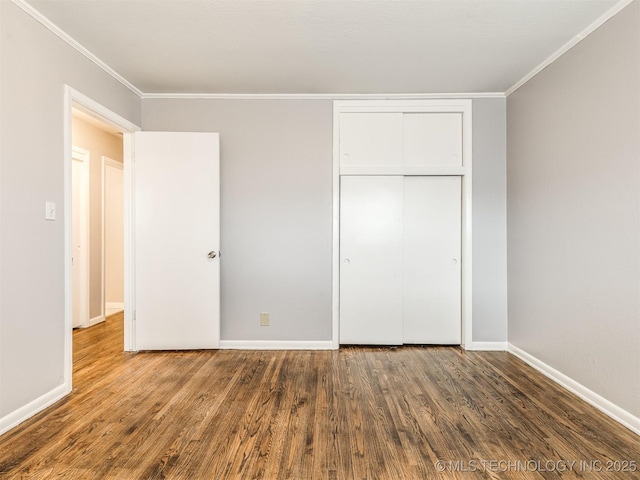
98 260
98 115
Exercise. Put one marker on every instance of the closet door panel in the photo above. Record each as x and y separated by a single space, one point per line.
432 139
371 260
370 139
431 260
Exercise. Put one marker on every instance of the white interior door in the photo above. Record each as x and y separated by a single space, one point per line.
431 251
177 240
113 230
371 260
80 238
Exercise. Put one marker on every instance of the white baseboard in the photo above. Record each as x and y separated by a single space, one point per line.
609 408
487 346
327 345
118 305
276 345
94 321
18 416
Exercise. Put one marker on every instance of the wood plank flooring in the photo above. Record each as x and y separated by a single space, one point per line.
356 413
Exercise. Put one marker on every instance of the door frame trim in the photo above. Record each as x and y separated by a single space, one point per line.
75 99
463 106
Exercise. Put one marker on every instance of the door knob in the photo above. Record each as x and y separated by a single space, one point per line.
212 254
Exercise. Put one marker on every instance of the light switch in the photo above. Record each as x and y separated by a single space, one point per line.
50 210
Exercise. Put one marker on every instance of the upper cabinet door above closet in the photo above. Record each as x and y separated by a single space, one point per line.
400 143
370 139
432 140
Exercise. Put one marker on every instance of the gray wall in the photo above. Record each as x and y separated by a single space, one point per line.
35 66
489 220
574 212
276 181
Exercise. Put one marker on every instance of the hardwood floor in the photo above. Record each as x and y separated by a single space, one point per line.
356 413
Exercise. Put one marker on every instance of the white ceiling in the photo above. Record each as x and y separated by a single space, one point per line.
322 46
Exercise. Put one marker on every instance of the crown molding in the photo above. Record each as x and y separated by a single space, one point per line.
569 45
35 14
321 96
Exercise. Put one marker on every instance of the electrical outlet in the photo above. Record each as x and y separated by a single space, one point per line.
264 319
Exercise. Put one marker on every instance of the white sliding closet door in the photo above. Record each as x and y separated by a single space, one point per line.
400 249
431 260
371 260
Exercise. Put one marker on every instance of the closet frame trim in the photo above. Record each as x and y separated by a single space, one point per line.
463 106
